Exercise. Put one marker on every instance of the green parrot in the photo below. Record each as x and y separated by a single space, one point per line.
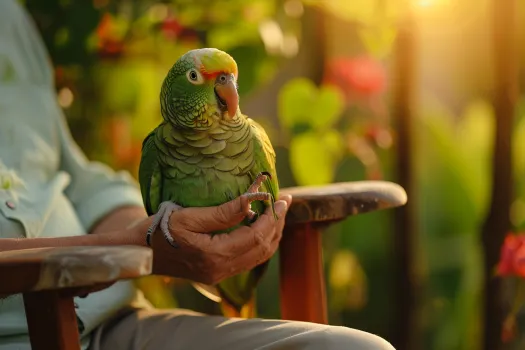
204 153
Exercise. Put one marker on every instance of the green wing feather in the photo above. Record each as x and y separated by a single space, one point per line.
265 157
150 176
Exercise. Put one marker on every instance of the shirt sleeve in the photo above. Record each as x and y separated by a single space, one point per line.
95 189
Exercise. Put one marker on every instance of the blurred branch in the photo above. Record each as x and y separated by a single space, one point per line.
405 236
497 223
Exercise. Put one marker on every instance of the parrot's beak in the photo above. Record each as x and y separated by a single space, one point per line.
226 93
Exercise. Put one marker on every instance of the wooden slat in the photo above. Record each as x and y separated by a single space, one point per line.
339 200
302 283
51 320
70 267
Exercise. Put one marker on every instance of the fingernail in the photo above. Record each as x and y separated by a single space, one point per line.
281 207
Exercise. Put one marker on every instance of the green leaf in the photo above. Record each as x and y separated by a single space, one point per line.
474 136
444 174
326 107
314 157
301 102
293 101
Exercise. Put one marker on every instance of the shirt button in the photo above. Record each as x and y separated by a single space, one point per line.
10 205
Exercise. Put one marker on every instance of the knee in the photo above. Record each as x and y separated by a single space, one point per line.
338 338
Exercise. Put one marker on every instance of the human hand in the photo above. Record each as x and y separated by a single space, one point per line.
209 259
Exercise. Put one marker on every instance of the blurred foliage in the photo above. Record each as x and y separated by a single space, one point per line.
309 114
110 59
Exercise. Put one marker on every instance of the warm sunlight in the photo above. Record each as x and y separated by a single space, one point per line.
425 3
397 126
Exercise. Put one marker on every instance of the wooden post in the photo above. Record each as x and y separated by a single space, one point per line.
497 223
302 283
407 269
51 320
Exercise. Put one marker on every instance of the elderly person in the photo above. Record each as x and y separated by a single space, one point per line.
52 196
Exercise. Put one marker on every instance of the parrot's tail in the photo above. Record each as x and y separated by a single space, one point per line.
247 311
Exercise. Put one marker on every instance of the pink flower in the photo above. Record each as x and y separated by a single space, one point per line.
362 76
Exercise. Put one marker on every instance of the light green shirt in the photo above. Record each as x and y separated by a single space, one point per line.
47 186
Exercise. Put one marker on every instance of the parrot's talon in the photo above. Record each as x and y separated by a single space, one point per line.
258 196
259 179
161 219
251 215
170 240
253 194
267 174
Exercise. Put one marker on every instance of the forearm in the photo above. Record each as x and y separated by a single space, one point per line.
120 219
115 238
115 229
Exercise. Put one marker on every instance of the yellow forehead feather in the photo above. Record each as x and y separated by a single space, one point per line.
213 61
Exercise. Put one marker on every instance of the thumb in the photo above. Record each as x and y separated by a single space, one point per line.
208 219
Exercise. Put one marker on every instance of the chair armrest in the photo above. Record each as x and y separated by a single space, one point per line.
336 201
31 270
302 282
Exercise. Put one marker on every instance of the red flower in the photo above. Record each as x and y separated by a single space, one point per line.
171 28
104 26
362 76
512 257
109 43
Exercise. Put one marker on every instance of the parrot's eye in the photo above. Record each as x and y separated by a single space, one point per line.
194 77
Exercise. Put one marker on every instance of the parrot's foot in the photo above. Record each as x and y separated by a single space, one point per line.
259 179
162 218
253 193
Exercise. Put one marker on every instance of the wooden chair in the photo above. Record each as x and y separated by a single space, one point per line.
49 278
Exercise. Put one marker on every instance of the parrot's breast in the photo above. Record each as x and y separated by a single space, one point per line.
205 168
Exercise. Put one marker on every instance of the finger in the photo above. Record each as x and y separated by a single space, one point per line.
264 236
278 232
267 219
237 242
209 219
287 198
265 223
241 240
256 256
274 245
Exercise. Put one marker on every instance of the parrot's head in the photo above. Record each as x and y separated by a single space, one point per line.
200 89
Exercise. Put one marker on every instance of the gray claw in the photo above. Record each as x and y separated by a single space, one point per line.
162 218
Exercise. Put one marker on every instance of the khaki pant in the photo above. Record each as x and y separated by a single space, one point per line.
150 329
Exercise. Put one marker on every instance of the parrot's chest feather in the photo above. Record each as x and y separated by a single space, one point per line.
210 164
